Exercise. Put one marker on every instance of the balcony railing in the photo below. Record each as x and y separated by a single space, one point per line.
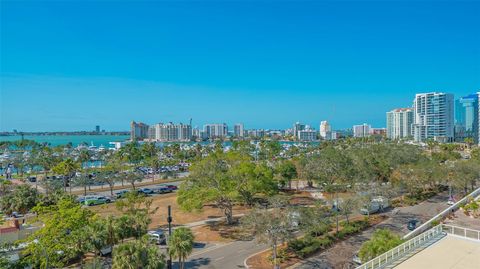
403 249
417 242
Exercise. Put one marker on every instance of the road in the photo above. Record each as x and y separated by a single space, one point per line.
223 256
232 255
340 255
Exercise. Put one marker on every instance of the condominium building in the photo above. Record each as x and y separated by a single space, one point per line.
238 130
256 133
399 123
466 118
215 130
184 132
307 135
151 132
325 130
173 132
362 130
433 117
138 131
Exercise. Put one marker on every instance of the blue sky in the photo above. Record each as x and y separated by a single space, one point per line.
70 65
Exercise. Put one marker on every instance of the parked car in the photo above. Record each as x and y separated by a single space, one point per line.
172 187
356 259
450 202
163 189
32 179
412 224
121 194
146 191
157 236
96 200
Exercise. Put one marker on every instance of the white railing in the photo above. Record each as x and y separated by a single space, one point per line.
444 213
403 249
461 232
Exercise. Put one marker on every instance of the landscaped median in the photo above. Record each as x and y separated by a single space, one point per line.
302 247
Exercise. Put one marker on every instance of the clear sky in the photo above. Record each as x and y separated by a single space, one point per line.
70 65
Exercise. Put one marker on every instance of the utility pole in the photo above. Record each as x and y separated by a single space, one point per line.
169 220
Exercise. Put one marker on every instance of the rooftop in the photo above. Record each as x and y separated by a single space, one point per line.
450 252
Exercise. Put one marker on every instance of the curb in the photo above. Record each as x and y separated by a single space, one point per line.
245 261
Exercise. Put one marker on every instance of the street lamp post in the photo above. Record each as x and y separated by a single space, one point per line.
169 220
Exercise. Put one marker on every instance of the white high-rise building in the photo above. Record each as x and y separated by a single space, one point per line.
215 130
433 117
238 130
399 123
325 130
361 130
173 132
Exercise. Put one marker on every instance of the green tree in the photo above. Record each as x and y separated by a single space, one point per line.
21 199
333 169
271 226
381 241
138 254
223 179
67 168
63 236
136 211
180 245
286 172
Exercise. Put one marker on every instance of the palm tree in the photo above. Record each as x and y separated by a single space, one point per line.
67 168
137 254
180 245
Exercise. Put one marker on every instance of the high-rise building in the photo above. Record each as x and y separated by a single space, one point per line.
173 132
433 117
184 132
478 117
138 131
361 130
297 127
238 130
256 133
325 130
97 129
466 118
307 135
215 130
151 135
399 123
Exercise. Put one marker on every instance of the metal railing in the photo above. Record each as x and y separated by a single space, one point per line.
403 249
461 232
419 241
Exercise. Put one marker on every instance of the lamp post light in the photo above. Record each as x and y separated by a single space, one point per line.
169 220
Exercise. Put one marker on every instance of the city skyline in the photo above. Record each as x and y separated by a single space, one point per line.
266 66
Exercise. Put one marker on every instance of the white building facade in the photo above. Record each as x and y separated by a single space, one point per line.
433 117
361 130
325 130
399 123
238 130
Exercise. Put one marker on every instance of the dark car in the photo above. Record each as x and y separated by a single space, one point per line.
32 179
163 189
412 224
172 187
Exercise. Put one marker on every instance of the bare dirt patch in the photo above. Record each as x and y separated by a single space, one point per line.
159 218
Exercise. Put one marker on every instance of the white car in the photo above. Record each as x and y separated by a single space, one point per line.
450 202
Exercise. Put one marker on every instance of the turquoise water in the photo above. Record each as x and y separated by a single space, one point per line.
56 140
